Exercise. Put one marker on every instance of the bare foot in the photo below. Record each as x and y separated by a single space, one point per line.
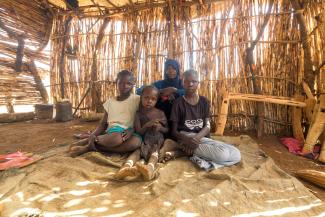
126 171
147 171
78 150
169 155
78 143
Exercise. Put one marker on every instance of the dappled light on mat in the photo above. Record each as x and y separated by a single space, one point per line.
73 202
85 183
281 211
75 188
127 213
100 209
180 213
79 193
167 203
213 203
286 199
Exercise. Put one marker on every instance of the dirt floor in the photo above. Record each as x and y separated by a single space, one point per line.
40 136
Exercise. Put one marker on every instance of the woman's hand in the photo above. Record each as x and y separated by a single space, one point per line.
168 91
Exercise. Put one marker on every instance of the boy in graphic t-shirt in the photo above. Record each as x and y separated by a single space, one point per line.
190 119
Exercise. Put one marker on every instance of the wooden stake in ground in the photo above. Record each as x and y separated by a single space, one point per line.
316 128
322 152
223 113
296 121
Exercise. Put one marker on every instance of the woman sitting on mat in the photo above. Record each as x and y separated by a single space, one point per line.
169 88
119 117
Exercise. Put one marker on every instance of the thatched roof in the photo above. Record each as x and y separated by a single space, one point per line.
109 4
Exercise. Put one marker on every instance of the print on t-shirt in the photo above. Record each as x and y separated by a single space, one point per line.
194 124
190 118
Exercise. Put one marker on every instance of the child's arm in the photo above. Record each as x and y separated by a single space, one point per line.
102 125
163 124
205 130
142 129
137 125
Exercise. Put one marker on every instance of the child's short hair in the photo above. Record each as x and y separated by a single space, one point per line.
124 73
190 72
149 87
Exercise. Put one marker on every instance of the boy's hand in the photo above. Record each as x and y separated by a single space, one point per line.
126 134
189 144
188 150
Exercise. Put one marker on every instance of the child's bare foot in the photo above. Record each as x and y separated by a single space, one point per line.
169 155
147 171
78 150
126 171
78 143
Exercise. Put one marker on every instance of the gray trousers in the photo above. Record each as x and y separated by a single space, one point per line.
214 154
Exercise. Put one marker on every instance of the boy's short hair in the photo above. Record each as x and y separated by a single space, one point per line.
151 87
124 73
190 72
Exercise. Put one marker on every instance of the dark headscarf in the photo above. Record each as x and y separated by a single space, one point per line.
168 82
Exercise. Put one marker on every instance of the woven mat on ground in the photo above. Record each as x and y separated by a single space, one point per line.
62 186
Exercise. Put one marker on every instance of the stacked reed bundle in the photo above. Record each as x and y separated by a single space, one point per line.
212 38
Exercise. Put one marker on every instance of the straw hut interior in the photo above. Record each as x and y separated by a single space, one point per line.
261 65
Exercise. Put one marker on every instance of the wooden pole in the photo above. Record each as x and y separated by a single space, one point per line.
20 48
296 120
95 90
309 75
171 46
269 99
83 98
317 126
62 56
253 70
19 54
322 151
39 84
137 41
10 107
310 102
223 114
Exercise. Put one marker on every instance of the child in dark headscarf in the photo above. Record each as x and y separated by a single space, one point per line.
169 88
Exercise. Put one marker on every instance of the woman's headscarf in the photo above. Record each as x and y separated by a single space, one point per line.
174 82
